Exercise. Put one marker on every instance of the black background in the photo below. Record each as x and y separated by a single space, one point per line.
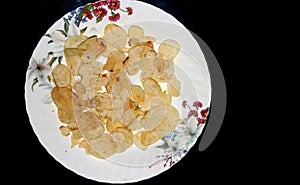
226 28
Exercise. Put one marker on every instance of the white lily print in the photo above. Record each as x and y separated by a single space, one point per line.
40 70
58 38
190 130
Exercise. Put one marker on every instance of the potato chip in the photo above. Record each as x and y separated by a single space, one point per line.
154 117
112 124
101 82
136 94
137 140
74 41
103 145
115 59
174 86
93 43
108 49
136 32
149 138
169 49
61 75
122 136
73 58
135 124
90 126
62 98
65 131
169 122
88 56
79 87
152 88
65 116
88 149
115 35
74 141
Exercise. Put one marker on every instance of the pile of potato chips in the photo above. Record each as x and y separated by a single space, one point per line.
102 109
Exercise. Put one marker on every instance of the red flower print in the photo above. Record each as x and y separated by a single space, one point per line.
96 4
193 113
87 14
204 113
129 10
114 17
197 104
113 4
184 104
100 12
201 121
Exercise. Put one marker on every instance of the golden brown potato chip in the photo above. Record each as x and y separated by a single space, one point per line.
74 141
101 82
62 98
163 70
154 117
65 131
88 56
66 116
97 45
90 126
74 41
115 35
79 87
169 123
135 31
73 58
152 88
137 140
169 49
88 150
108 49
137 93
135 124
61 75
122 136
76 134
114 61
112 124
103 145
149 137
174 86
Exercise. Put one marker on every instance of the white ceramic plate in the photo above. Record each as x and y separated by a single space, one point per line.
133 164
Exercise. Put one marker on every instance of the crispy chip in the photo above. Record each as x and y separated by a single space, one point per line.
73 58
169 49
112 124
154 117
88 150
93 43
115 35
115 59
137 94
62 98
74 41
135 31
65 131
90 126
152 88
149 137
61 75
169 123
66 116
103 145
79 87
174 86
